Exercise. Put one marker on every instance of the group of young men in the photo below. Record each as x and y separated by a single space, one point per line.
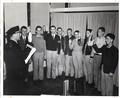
94 58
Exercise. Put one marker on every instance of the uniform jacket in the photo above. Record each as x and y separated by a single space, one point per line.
14 60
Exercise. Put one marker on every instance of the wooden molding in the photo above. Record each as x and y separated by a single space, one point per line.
84 9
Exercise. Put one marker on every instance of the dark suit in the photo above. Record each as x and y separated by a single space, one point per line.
68 55
68 51
25 50
15 67
22 43
61 44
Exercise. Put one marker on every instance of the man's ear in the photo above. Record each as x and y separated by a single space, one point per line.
112 40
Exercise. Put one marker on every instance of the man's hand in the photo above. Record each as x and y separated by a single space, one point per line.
30 61
95 41
70 41
61 52
91 60
45 57
110 74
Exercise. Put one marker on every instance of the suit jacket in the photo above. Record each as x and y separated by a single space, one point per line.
61 44
68 51
15 65
22 43
86 49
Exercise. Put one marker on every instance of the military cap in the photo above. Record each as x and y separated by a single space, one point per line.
12 30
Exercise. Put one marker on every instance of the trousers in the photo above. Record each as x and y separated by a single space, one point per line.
97 71
106 84
89 69
38 69
69 68
51 64
60 64
78 64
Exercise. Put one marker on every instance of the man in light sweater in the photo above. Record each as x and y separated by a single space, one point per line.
40 54
99 41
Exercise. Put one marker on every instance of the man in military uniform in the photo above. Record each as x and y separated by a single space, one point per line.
15 65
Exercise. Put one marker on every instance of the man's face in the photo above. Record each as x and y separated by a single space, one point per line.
59 31
76 35
88 33
100 33
17 35
69 32
24 32
108 40
39 31
53 30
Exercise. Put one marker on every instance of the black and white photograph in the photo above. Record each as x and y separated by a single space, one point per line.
60 48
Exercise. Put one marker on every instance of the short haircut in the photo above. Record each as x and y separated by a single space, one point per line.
102 29
59 28
52 27
69 29
38 27
90 30
23 27
112 36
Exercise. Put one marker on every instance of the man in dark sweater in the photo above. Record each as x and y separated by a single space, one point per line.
52 46
109 63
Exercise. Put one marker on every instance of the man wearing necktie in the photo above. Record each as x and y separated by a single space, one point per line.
69 68
22 43
24 38
61 57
